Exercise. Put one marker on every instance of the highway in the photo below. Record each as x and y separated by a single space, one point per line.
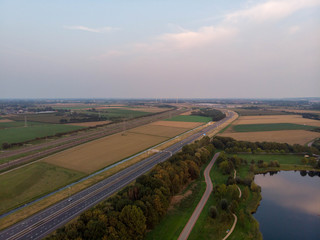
48 220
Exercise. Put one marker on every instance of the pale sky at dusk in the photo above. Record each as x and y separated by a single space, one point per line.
142 49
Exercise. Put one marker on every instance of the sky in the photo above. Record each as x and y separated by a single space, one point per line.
154 49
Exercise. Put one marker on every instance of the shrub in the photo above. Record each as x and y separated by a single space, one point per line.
213 212
224 204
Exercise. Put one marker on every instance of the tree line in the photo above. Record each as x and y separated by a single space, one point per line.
230 145
139 207
215 115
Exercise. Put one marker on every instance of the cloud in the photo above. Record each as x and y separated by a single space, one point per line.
271 10
199 38
94 30
214 35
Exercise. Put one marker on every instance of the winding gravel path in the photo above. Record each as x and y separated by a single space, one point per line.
235 217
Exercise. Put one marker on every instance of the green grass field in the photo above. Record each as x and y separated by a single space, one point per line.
282 159
27 183
78 107
117 113
189 118
124 113
270 127
17 124
43 118
21 134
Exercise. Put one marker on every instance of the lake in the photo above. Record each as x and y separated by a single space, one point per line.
290 206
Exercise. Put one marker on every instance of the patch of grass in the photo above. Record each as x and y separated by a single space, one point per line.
21 134
281 158
119 113
43 117
189 118
270 127
76 107
30 182
16 124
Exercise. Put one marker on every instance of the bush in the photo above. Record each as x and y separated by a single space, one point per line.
224 204
213 212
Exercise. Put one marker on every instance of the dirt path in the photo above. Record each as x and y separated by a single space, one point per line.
232 228
195 215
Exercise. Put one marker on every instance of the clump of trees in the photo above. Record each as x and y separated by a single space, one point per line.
231 145
214 114
313 161
137 208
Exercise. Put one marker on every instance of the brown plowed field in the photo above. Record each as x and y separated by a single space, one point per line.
92 156
186 113
298 111
158 130
290 136
177 124
5 120
97 154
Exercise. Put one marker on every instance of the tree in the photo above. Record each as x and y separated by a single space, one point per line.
304 160
312 161
224 204
226 167
254 187
213 212
193 170
5 145
134 220
242 217
245 193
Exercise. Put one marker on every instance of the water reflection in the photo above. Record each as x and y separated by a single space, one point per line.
290 206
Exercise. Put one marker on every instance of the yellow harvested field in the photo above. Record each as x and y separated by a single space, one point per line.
97 154
188 125
297 110
5 120
89 124
186 113
158 130
297 119
290 136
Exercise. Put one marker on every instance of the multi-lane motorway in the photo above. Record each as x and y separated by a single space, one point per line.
46 221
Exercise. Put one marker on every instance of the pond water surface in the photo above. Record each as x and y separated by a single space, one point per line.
290 206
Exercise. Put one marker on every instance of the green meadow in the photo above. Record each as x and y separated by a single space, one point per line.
21 134
270 127
189 118
30 182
